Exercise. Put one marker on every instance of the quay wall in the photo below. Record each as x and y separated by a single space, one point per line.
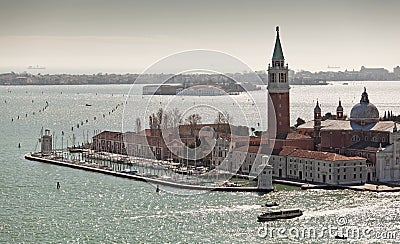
29 156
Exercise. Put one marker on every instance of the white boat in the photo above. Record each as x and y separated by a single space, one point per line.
130 171
271 204
280 214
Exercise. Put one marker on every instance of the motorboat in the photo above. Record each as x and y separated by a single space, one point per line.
271 204
279 214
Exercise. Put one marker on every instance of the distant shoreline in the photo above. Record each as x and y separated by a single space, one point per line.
256 78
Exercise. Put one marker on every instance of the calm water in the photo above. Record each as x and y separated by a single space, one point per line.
92 207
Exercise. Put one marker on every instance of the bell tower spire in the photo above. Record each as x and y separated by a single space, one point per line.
278 53
278 89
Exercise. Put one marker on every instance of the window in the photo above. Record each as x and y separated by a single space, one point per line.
272 77
355 168
360 176
338 177
281 79
310 174
330 177
355 138
355 176
344 177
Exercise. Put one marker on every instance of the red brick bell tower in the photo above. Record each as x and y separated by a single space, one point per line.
278 89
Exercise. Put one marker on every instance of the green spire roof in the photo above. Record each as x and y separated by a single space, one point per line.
278 54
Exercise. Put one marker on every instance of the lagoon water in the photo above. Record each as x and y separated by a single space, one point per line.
95 208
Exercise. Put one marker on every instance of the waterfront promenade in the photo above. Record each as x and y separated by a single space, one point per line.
153 179
76 165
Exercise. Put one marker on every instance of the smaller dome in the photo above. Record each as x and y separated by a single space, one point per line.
364 112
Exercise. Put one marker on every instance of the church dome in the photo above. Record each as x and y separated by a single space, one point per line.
364 112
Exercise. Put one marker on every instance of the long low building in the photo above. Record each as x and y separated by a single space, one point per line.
320 167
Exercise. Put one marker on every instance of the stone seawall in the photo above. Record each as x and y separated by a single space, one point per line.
29 156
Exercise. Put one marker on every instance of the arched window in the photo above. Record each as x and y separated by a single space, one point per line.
355 138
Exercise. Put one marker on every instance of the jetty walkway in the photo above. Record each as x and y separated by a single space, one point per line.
68 163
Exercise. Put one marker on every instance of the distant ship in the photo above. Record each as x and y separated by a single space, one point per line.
36 67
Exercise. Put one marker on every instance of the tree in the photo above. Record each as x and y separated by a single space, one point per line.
166 120
176 118
160 113
138 125
192 120
327 116
299 122
153 123
155 120
223 118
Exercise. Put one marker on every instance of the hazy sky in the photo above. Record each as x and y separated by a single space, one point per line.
90 36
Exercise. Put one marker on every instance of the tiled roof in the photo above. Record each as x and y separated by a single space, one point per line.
367 145
326 156
287 150
294 136
347 125
109 135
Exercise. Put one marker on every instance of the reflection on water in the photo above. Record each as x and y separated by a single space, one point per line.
91 207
